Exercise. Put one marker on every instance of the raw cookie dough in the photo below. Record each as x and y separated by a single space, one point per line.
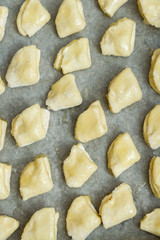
82 218
8 226
74 56
24 67
78 166
151 128
70 18
3 20
154 74
122 154
91 124
42 225
31 125
64 94
154 176
150 11
123 91
117 207
2 86
5 175
3 127
150 223
119 38
36 178
111 6
31 17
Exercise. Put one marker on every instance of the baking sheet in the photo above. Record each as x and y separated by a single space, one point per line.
93 84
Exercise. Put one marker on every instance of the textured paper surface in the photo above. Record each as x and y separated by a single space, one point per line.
93 85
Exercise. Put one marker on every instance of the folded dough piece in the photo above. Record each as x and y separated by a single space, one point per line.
2 86
91 124
5 175
70 18
36 178
73 57
42 225
24 67
8 226
150 11
150 223
111 6
3 127
3 20
123 91
31 125
64 94
154 74
117 207
82 218
119 38
151 128
31 17
78 166
154 176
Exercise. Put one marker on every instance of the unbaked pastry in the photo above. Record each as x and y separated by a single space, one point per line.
64 94
119 38
3 20
31 17
74 56
3 127
78 166
2 86
117 207
91 124
123 91
154 74
24 67
42 225
111 6
8 226
5 175
154 176
70 18
82 218
31 125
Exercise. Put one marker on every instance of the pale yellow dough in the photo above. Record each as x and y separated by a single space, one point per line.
150 11
91 124
2 86
123 91
117 207
8 226
70 18
122 154
74 56
36 178
151 222
42 225
3 20
82 218
111 6
151 128
78 167
3 128
64 94
31 17
24 67
31 125
154 176
5 175
154 74
119 38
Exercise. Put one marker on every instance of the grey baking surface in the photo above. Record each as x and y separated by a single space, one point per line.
93 84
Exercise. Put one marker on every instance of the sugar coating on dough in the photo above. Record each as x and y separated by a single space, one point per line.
122 154
42 225
74 56
123 91
154 176
119 38
3 20
5 175
24 67
31 17
2 86
118 206
82 218
3 128
91 124
111 6
64 94
78 167
31 125
154 74
8 226
70 18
